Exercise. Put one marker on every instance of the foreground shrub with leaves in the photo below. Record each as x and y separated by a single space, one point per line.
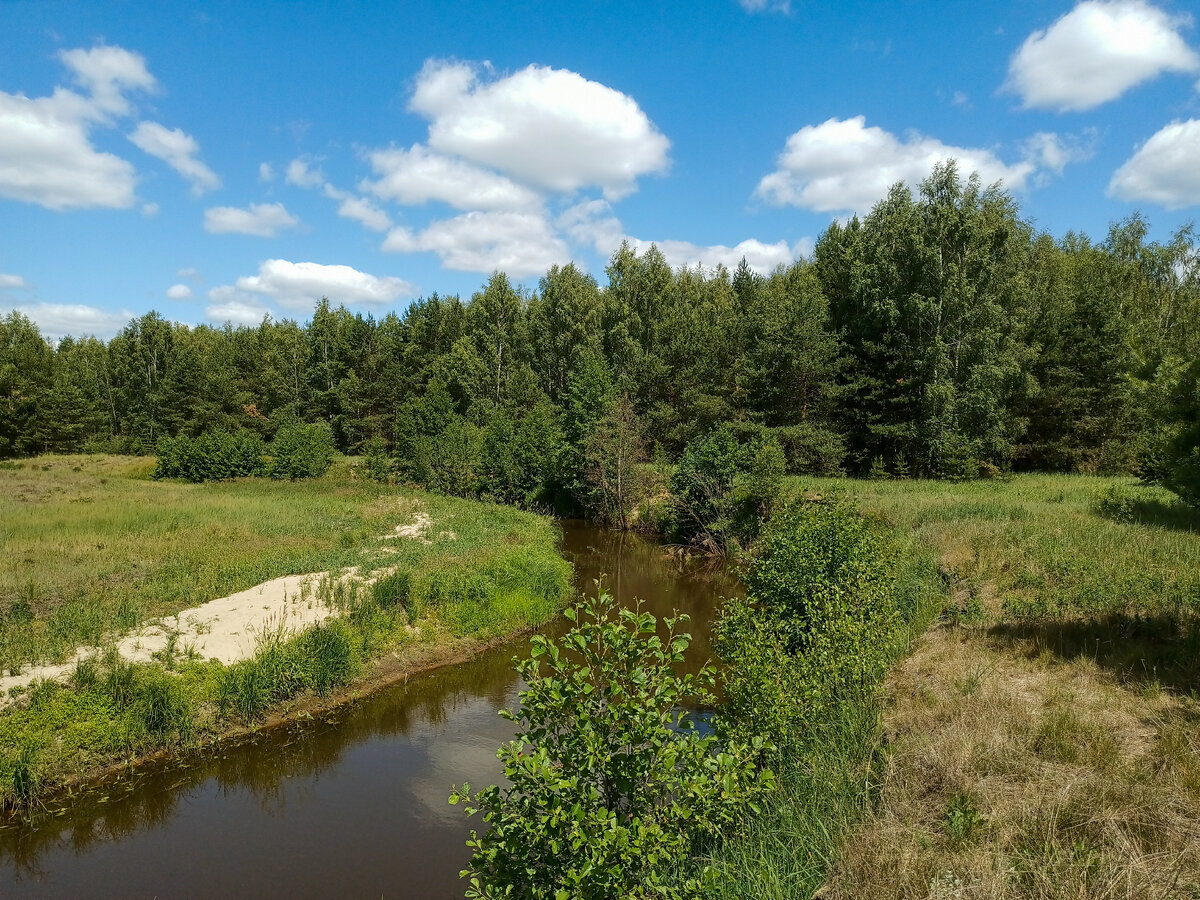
611 787
818 622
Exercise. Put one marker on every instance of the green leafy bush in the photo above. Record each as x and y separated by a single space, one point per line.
214 456
301 451
818 621
725 486
610 788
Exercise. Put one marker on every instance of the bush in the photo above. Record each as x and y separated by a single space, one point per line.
811 449
725 486
301 451
214 456
818 621
377 463
611 788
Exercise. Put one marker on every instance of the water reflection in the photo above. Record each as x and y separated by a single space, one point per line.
350 805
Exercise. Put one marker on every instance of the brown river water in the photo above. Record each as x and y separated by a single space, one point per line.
352 804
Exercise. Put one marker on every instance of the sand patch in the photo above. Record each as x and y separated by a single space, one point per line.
228 629
416 529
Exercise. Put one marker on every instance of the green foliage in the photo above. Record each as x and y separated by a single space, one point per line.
1182 458
819 620
214 456
963 820
611 788
377 463
725 485
301 451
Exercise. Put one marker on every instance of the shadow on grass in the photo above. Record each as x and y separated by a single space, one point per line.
1125 506
1145 651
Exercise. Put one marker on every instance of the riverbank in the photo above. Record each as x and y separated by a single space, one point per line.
1042 739
88 539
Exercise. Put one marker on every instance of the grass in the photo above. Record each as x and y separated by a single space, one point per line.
1042 740
827 777
91 547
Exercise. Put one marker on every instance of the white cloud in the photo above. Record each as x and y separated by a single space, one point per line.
179 292
234 310
12 283
518 243
57 320
46 153
842 164
300 285
551 128
418 175
265 172
178 149
365 213
260 219
191 274
299 174
593 223
757 6
107 73
1097 52
1164 170
1053 152
149 210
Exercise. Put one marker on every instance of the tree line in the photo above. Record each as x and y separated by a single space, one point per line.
940 335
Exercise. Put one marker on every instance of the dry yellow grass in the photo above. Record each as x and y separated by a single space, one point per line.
1013 773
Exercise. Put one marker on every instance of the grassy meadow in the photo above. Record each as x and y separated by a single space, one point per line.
1043 739
91 546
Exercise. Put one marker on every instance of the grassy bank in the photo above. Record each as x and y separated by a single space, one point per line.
92 547
827 767
1043 739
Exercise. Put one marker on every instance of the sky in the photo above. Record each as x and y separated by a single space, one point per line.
222 162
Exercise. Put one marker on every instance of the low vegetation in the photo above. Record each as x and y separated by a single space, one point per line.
94 546
1043 740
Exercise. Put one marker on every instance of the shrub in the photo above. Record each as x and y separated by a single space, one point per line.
301 451
810 449
377 464
725 487
818 622
214 456
611 788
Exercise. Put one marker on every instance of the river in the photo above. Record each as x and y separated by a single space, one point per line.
350 805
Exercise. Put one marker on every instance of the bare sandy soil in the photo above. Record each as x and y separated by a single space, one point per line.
227 629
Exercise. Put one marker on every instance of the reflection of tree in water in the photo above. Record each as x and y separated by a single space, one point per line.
258 766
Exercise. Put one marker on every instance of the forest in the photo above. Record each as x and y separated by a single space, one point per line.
941 335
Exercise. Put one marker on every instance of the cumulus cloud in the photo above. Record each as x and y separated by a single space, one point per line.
551 128
179 292
12 283
177 149
418 175
46 151
1164 169
844 164
592 223
299 285
300 173
237 311
260 219
57 320
519 243
364 212
1097 52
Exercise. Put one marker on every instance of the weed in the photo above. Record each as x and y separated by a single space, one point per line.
963 820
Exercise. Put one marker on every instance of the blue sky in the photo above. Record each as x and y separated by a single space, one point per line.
222 161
